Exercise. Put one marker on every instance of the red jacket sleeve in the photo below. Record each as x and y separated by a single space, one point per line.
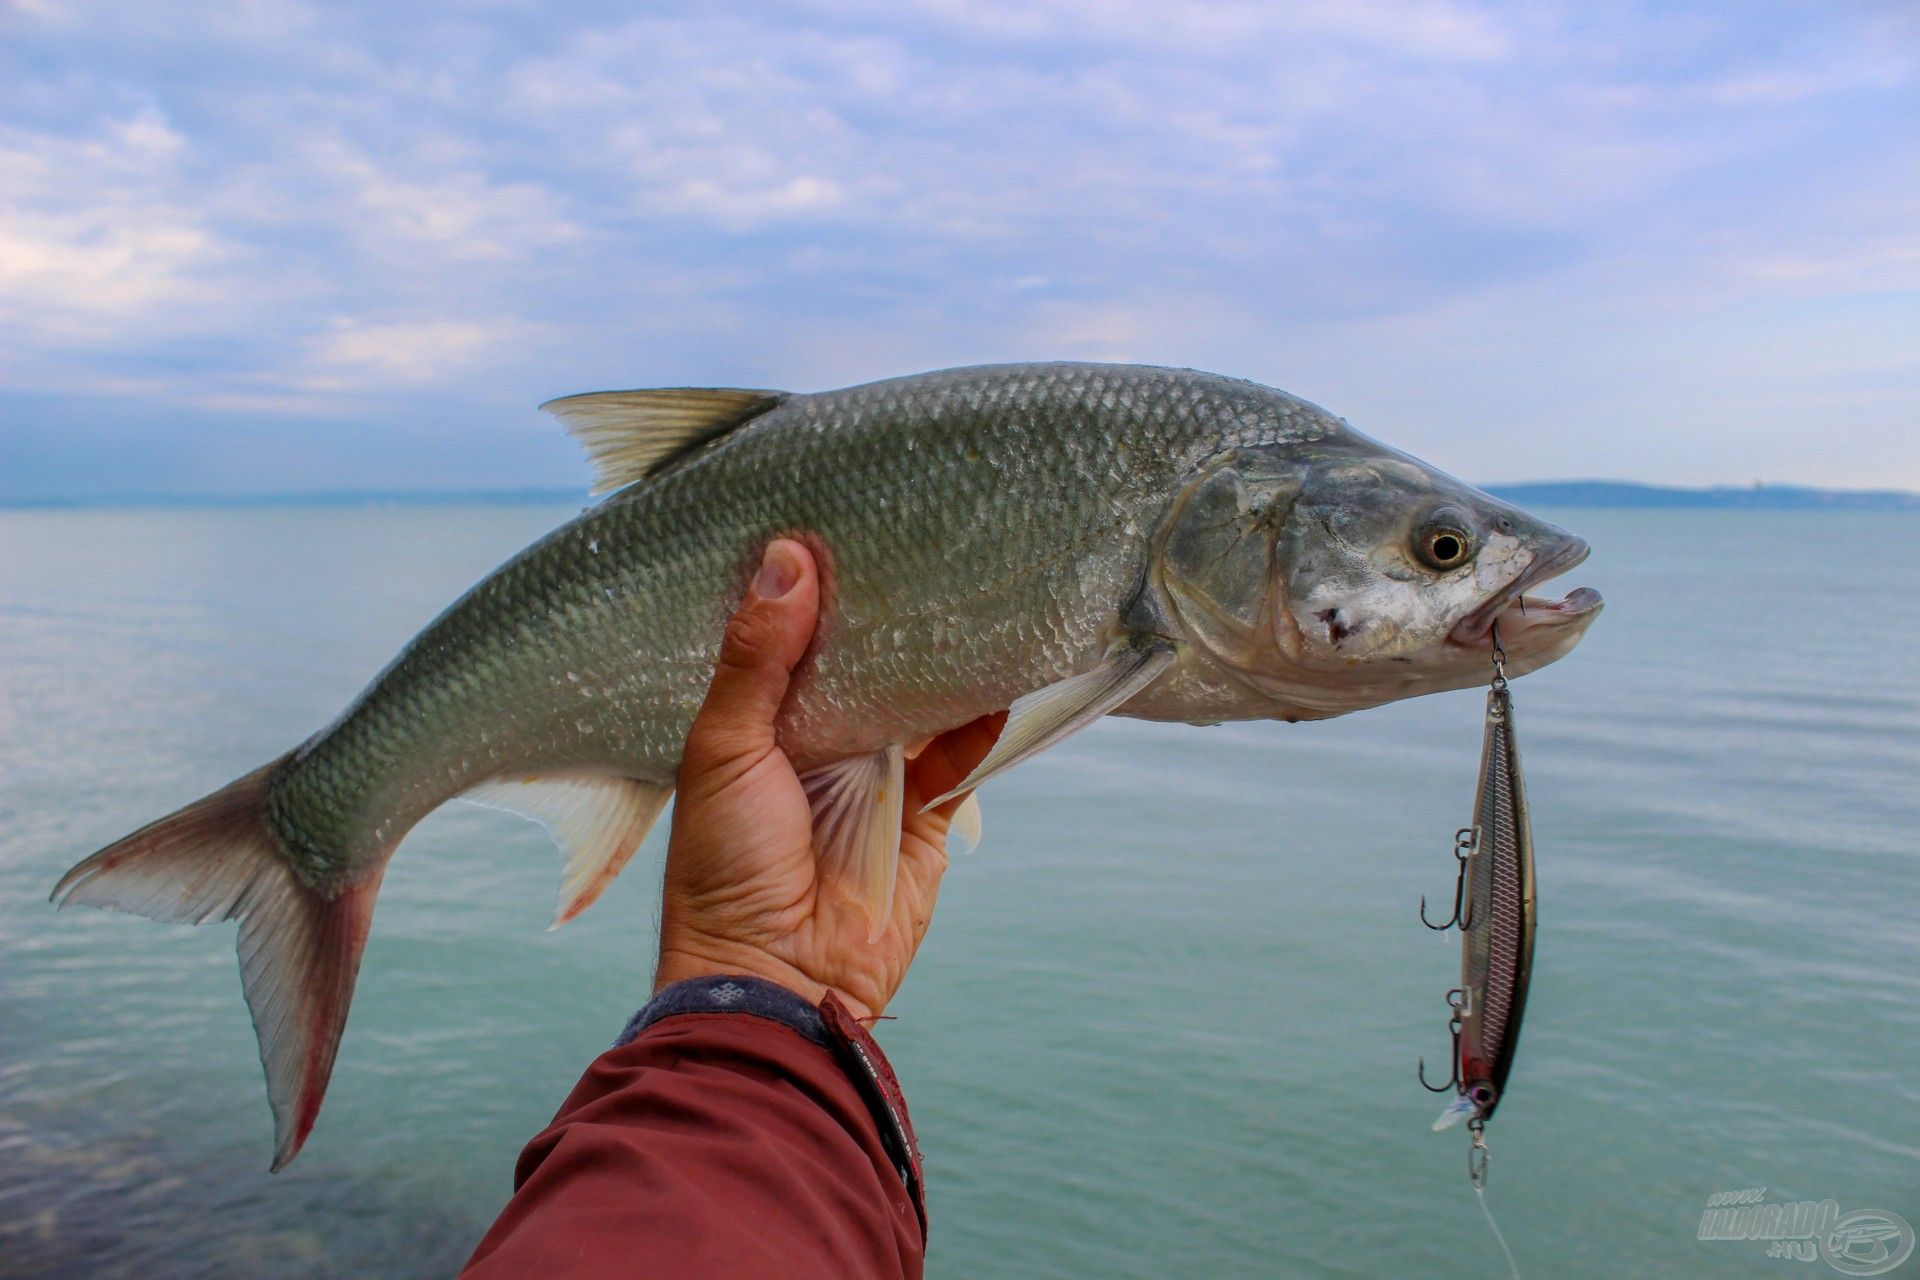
724 1143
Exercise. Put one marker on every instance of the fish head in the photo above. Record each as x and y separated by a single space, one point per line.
1355 575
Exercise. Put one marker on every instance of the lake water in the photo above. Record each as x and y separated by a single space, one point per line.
1167 1018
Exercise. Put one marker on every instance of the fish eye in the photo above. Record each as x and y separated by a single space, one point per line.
1445 541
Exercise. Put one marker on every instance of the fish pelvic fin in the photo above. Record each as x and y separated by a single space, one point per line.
217 859
856 806
597 819
963 830
630 435
1049 716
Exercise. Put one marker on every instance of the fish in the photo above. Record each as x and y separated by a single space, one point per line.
1060 540
1497 918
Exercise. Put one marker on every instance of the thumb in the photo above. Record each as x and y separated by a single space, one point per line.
766 636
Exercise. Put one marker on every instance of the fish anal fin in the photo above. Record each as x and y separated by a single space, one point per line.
597 819
856 806
299 946
1049 716
630 435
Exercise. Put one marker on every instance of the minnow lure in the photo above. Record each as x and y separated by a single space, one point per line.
1494 908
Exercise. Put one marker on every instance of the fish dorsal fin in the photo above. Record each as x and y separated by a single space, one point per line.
598 820
630 435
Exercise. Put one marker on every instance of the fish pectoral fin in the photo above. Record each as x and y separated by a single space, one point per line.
1051 715
629 435
963 830
856 806
597 819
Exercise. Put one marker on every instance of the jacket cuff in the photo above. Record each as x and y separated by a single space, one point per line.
828 1025
730 994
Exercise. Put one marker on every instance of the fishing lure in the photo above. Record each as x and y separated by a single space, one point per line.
1493 906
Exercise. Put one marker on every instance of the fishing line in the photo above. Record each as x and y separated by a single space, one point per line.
1480 1192
1478 1158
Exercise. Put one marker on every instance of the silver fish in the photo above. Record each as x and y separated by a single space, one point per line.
1067 540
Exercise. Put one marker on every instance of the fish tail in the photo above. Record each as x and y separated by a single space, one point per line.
218 859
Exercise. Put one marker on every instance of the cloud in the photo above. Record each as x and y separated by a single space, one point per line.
77 267
358 357
452 212
1426 29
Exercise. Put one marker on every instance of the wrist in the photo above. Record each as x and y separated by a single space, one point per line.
684 956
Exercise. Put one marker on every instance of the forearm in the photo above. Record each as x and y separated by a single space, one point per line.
740 1132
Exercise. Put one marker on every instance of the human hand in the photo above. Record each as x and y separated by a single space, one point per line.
743 889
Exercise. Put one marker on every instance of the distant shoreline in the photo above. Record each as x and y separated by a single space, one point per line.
1759 497
1546 493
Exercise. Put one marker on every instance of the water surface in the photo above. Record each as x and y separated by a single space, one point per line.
1167 1018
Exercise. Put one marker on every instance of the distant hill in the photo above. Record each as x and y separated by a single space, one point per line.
1771 497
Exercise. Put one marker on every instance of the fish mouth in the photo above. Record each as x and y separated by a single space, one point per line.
1514 611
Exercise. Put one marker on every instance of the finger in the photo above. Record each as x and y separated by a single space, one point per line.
766 636
949 758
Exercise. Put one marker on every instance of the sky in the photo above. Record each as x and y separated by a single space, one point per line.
266 246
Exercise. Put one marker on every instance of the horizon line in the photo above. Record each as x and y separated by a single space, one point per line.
1614 490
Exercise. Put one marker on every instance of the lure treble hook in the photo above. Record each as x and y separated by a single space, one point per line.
1451 1085
1456 1001
1464 842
